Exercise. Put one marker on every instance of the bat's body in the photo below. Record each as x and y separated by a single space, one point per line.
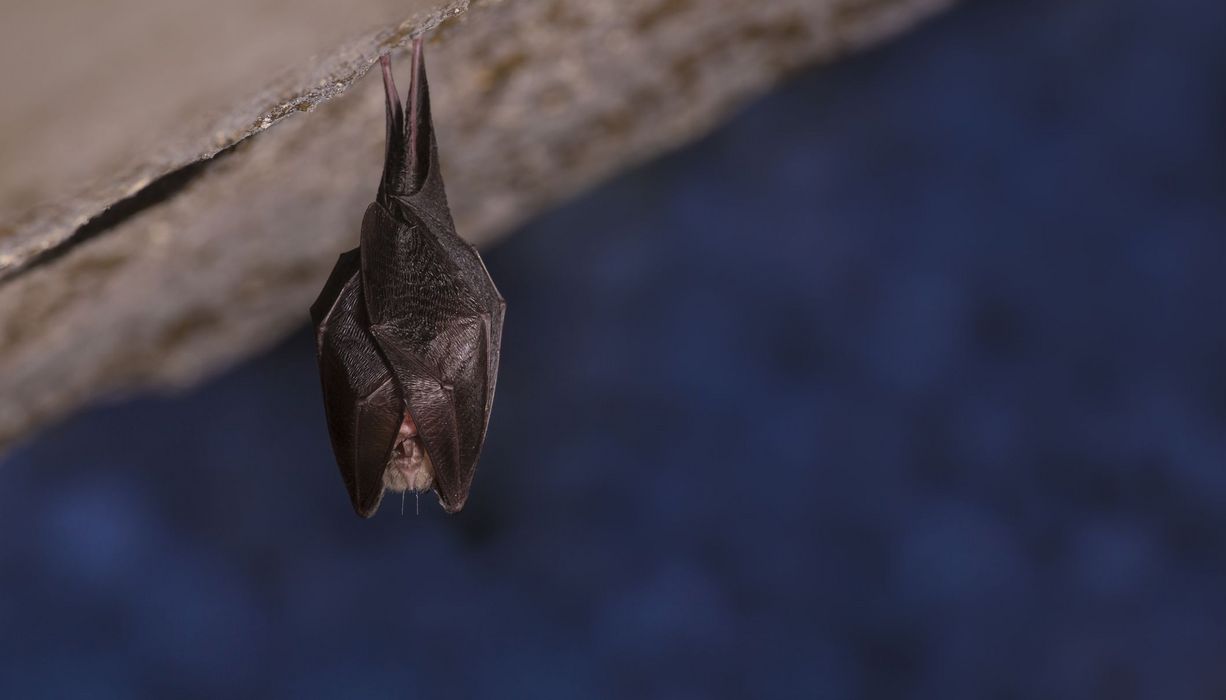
408 329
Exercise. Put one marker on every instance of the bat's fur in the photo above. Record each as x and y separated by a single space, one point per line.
410 468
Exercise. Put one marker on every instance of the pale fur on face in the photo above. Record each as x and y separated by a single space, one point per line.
409 468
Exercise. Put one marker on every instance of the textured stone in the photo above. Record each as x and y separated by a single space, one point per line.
180 242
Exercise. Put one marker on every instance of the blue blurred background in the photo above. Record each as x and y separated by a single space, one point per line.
909 382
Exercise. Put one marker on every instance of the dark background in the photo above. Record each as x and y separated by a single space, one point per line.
909 382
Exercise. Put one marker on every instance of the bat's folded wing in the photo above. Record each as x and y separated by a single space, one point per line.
444 385
347 265
361 397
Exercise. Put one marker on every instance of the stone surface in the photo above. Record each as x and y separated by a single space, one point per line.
148 243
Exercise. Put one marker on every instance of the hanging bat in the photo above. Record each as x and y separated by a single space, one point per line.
408 328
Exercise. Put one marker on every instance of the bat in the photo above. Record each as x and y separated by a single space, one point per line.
408 328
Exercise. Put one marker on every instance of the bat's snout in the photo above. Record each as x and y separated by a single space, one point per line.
409 468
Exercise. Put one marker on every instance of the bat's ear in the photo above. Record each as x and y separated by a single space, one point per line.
411 158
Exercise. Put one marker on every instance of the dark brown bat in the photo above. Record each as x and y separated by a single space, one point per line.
408 328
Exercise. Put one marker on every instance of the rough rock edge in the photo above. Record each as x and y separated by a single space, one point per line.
36 233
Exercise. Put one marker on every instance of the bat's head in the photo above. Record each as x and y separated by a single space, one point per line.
409 468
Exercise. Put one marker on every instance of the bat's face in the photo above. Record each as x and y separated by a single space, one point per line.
409 468
408 331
